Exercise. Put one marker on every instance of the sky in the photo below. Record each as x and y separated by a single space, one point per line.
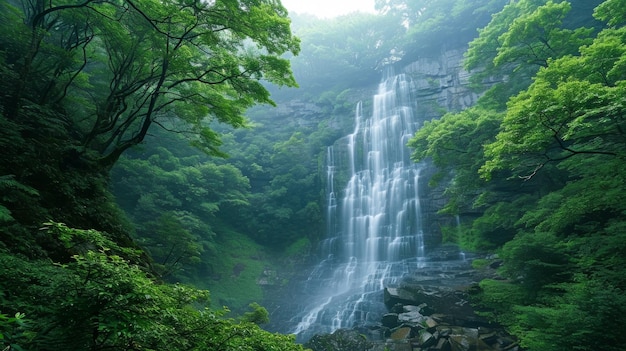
328 8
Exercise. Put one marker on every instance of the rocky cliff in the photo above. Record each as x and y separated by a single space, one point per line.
441 86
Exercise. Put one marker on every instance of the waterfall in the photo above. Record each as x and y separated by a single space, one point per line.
374 227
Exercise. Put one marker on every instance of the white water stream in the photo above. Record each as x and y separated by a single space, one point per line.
374 225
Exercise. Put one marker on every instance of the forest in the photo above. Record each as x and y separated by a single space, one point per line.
162 158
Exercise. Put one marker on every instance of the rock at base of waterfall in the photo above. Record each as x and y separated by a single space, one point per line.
390 320
341 339
411 317
427 339
395 296
466 342
403 333
442 345
430 322
450 304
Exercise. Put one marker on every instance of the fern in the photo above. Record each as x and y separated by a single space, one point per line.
5 215
8 183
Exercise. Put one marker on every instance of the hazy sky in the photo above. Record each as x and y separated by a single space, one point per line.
328 8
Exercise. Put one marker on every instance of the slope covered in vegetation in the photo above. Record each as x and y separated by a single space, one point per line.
541 160
82 82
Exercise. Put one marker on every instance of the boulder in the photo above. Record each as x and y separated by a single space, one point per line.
411 317
403 333
341 339
427 339
442 345
430 322
394 296
390 320
411 308
467 343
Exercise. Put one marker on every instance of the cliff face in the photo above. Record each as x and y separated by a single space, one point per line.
442 85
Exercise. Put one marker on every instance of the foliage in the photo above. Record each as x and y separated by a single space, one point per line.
519 40
84 81
42 179
233 275
173 202
100 301
455 142
258 315
14 331
433 26
549 168
122 67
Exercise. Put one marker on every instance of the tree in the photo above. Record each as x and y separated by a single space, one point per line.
428 22
176 203
519 40
83 81
574 108
561 262
122 66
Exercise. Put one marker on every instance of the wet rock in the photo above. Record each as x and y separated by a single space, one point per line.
411 308
402 347
401 334
442 345
411 317
340 340
427 339
434 304
466 343
394 296
490 337
398 308
430 323
390 320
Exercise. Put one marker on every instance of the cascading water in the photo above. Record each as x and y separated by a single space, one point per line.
374 224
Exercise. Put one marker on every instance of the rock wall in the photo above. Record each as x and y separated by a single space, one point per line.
442 85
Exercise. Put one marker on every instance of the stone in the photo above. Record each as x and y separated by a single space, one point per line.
341 339
431 323
393 296
469 332
411 308
402 347
444 331
398 308
427 339
401 334
411 317
489 338
390 320
459 342
442 345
